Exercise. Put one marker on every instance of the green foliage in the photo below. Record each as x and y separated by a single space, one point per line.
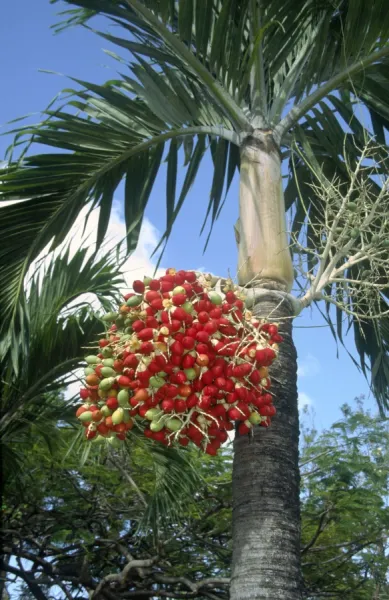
61 322
345 492
87 522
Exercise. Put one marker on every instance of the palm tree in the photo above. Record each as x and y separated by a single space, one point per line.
257 83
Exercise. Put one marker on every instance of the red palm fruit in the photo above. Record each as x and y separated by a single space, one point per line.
217 370
179 314
148 433
179 336
141 395
208 306
220 382
184 390
243 429
229 385
108 422
131 361
188 361
112 403
197 385
212 448
84 393
154 285
188 289
121 436
188 342
207 377
138 286
138 325
179 377
219 410
226 308
231 398
272 329
152 322
222 436
239 304
183 441
146 348
242 392
170 272
90 433
244 409
210 390
146 334
167 286
134 384
167 405
237 315
191 401
175 325
277 339
234 414
156 304
230 297
215 313
102 429
154 368
190 276
118 365
152 295
255 377
179 277
142 410
180 406
134 403
103 343
203 316
267 399
124 381
266 422
160 436
177 348
97 415
129 425
165 317
176 360
204 402
120 428
228 426
168 368
211 327
144 377
202 360
179 299
202 336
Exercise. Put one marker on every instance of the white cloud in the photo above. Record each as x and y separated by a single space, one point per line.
308 367
304 400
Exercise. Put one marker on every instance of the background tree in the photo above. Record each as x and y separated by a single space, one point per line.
92 528
255 82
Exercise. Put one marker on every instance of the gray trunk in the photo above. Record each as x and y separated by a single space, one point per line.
266 510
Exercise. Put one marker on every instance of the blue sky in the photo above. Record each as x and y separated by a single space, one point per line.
26 45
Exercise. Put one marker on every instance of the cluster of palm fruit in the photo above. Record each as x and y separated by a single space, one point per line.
183 361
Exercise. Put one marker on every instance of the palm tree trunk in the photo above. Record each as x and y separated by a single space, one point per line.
266 508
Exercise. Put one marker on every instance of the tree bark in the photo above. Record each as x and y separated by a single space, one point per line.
266 509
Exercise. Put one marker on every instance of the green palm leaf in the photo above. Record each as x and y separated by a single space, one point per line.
209 72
